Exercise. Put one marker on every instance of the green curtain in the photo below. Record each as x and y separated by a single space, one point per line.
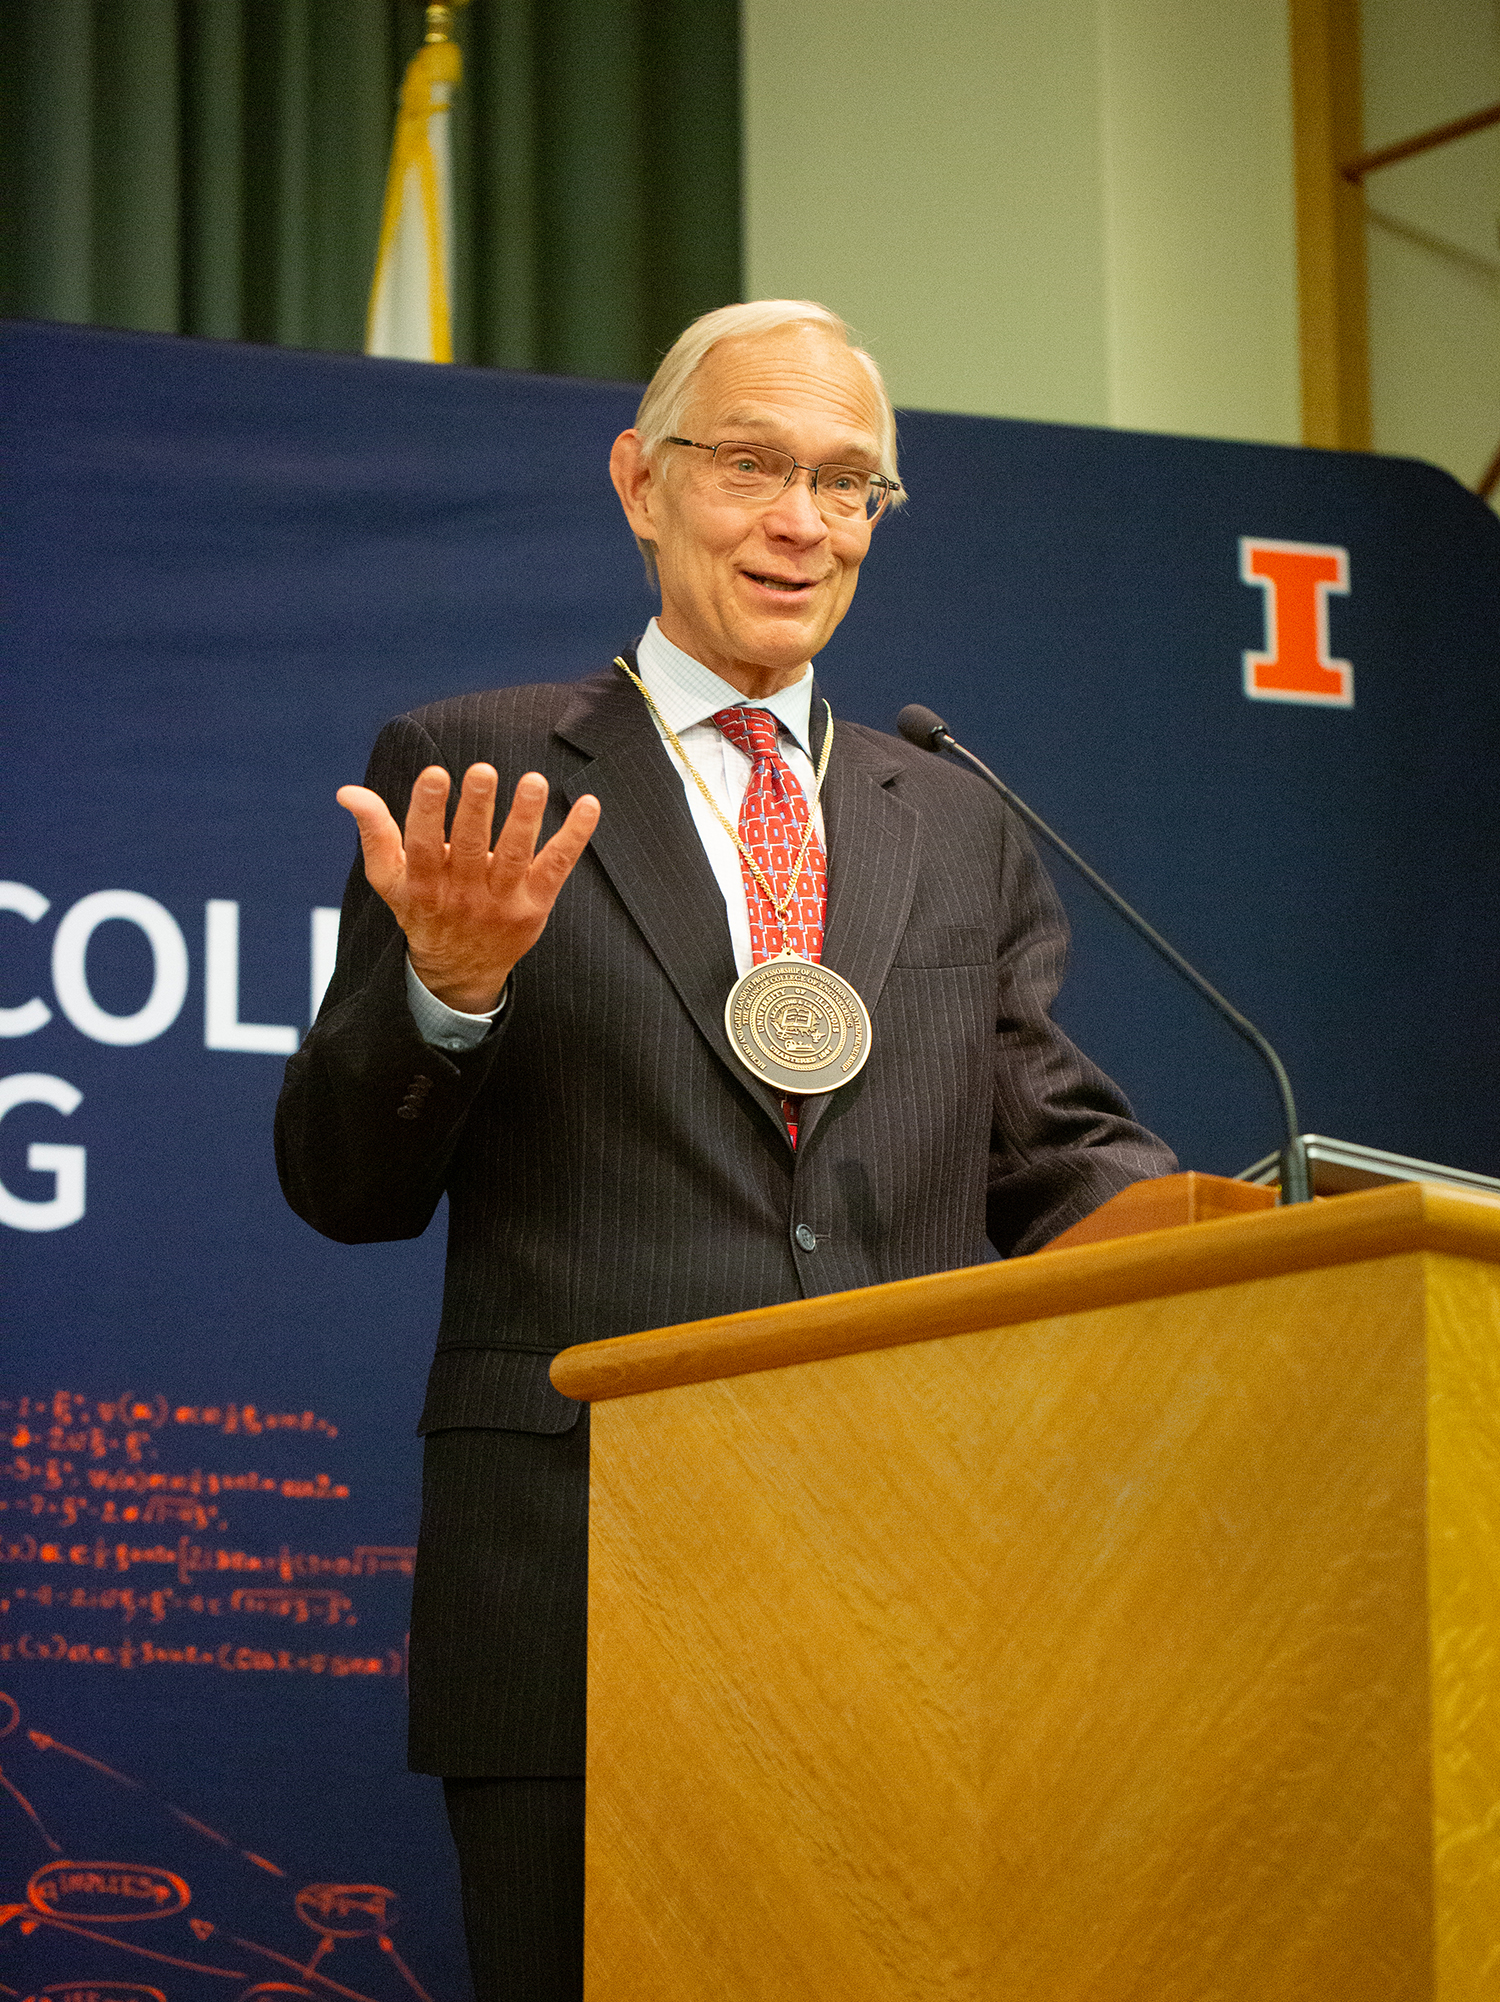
216 167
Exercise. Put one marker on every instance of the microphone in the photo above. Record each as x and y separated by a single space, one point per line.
927 730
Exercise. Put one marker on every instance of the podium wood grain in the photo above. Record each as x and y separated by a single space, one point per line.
1137 1653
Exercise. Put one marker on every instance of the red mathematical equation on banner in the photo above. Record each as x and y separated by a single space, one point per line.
283 1594
72 1411
55 1493
190 1560
79 1460
60 1650
276 1602
111 1556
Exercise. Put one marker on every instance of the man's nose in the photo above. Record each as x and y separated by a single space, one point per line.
795 511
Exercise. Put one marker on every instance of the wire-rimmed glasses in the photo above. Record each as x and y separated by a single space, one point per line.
758 473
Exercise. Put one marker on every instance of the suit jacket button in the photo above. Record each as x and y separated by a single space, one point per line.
417 1094
806 1237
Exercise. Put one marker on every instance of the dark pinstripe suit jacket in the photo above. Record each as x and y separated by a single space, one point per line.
610 1166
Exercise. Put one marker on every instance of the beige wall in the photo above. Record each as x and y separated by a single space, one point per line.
960 229
1078 210
1434 254
1082 210
1200 227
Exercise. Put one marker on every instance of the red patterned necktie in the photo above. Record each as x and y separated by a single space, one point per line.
773 820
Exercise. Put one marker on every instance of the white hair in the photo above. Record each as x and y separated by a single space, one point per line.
666 398
662 408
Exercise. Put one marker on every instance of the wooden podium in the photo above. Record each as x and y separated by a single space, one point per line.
1121 1623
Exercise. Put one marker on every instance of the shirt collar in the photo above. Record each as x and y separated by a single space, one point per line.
686 692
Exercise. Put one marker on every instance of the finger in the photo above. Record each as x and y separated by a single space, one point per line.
426 835
379 836
469 837
518 837
554 865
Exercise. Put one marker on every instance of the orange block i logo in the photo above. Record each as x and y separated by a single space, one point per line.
1296 578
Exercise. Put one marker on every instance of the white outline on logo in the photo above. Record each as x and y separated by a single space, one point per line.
1344 669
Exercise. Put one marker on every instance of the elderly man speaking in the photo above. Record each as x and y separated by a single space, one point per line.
765 1014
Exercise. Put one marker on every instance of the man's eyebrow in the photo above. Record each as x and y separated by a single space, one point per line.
749 416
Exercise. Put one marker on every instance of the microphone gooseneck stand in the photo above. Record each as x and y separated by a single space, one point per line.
924 728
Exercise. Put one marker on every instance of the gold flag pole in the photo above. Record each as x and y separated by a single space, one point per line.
410 310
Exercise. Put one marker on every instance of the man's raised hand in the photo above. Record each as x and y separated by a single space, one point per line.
468 912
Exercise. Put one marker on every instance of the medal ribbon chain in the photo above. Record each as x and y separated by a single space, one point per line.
780 905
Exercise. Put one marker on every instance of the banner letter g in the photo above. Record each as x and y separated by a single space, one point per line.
65 1164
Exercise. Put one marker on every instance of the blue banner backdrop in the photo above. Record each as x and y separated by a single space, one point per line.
226 566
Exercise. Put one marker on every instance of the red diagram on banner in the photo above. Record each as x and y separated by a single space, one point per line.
63 1902
1296 578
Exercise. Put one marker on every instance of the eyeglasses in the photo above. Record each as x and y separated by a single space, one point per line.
759 473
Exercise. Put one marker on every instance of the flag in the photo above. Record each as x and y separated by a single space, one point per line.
411 313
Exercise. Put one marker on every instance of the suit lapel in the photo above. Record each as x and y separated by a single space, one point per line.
647 845
874 845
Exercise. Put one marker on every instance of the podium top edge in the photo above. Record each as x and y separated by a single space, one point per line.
1344 1230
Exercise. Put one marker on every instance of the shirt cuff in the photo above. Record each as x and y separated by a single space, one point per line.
444 1027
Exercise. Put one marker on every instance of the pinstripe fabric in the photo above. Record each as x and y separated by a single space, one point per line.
609 1165
468 1385
520 1854
497 1626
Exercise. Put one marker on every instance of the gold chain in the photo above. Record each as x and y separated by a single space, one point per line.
784 904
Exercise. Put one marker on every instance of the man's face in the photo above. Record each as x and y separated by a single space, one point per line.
754 591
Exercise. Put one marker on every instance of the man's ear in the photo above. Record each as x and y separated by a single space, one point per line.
634 480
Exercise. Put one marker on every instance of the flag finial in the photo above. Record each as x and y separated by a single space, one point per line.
440 15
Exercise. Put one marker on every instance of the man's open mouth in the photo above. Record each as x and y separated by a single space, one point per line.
781 583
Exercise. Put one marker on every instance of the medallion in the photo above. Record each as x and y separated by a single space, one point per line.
798 1026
